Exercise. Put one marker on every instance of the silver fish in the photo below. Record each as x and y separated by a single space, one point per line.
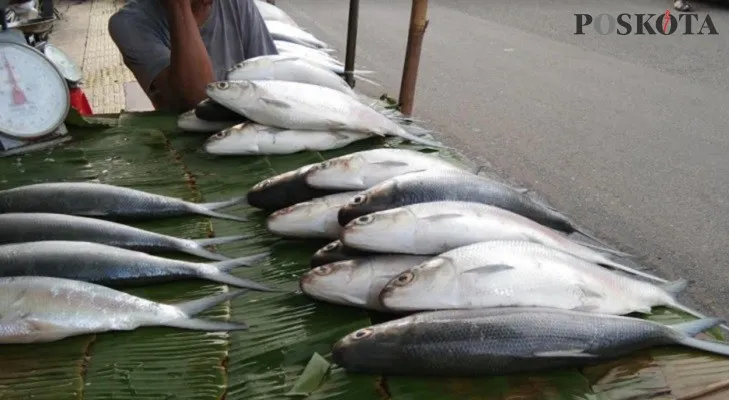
364 169
439 226
501 341
334 252
288 68
35 227
256 139
38 309
305 51
295 105
188 121
99 263
283 31
270 12
284 190
455 185
357 282
100 200
313 219
523 274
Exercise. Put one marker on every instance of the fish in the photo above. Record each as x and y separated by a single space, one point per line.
305 51
36 227
288 68
436 227
512 273
286 32
357 282
39 309
295 105
99 200
189 122
284 190
364 169
443 184
313 219
102 264
270 12
504 341
209 110
336 251
250 138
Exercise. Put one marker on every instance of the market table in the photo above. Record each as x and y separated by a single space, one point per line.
288 331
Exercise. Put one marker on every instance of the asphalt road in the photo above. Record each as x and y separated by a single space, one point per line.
629 135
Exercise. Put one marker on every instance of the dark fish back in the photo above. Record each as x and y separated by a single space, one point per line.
340 253
285 192
209 110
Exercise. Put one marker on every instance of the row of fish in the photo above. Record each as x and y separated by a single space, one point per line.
290 102
64 253
461 257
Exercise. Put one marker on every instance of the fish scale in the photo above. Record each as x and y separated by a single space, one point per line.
508 340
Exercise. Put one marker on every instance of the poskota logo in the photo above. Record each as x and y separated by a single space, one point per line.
646 24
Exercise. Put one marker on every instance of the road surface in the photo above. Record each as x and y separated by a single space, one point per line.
629 135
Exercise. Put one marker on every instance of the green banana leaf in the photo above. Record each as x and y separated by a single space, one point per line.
286 351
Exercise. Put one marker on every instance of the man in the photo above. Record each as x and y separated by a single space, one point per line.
176 47
682 5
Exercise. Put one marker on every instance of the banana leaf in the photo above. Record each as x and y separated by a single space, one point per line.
286 352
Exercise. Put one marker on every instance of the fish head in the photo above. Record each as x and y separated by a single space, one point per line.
332 252
220 143
231 92
427 286
338 173
342 282
377 198
372 348
292 219
382 230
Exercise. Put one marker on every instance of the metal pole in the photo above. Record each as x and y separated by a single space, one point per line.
351 41
418 24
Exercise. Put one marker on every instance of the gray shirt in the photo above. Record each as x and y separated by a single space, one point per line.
235 31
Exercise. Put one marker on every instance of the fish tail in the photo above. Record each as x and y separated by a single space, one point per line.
706 345
242 283
208 209
693 328
194 307
206 325
247 261
688 310
370 81
602 249
614 264
413 138
196 247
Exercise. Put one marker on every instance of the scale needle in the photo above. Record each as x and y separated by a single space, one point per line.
18 95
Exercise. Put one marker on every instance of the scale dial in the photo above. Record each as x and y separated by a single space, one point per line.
34 96
65 65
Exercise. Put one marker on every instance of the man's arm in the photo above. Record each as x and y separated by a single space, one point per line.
182 85
172 78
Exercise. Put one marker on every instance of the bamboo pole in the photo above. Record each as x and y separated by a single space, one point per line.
418 24
352 24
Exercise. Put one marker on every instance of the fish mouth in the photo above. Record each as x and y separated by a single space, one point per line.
348 213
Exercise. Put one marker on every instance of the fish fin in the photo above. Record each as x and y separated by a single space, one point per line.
359 76
416 139
93 213
521 190
441 217
337 125
576 353
287 58
489 269
695 313
390 163
247 261
208 208
205 325
242 283
693 328
197 306
274 102
196 247
675 287
607 250
705 345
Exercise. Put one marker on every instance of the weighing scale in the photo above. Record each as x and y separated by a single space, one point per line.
34 93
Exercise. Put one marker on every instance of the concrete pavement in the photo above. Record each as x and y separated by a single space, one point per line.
627 134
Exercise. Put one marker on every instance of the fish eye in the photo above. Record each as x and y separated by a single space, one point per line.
359 199
323 270
239 65
404 278
363 333
364 220
331 246
222 85
221 134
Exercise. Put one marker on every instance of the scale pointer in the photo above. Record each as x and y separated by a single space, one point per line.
18 95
